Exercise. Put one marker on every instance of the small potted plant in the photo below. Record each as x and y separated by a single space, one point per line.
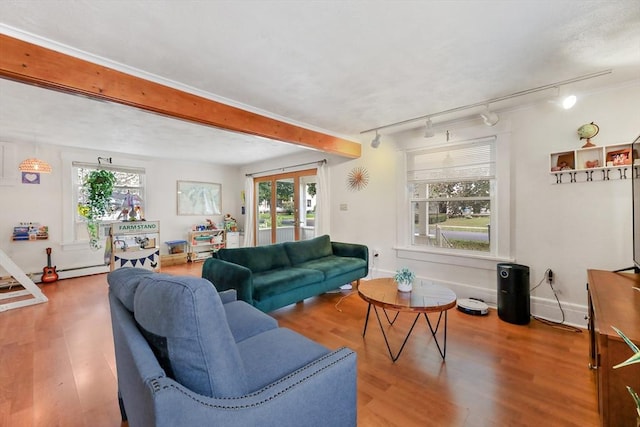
404 278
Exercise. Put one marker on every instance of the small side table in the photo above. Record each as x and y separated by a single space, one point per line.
423 299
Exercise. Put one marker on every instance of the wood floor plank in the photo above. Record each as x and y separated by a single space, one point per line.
57 366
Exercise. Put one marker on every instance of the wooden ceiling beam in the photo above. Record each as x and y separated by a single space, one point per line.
32 64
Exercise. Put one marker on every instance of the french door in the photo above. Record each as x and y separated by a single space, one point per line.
285 207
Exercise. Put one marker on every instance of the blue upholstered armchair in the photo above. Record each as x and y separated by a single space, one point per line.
189 356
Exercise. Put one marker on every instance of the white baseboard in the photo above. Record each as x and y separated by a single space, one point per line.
574 314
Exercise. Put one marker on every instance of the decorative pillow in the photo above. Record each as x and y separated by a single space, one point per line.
123 282
184 322
258 258
306 250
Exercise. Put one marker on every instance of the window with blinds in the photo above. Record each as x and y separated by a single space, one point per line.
451 192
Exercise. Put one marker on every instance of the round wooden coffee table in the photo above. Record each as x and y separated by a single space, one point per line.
423 299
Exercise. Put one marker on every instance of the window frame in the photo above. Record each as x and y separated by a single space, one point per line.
482 169
70 223
501 207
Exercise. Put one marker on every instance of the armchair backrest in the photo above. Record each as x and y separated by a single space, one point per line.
184 323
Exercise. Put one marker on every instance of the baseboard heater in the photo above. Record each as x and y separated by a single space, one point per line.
70 273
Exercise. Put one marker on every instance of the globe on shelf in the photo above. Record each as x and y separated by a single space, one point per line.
587 132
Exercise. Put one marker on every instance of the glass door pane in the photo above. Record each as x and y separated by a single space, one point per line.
285 207
286 211
307 215
263 214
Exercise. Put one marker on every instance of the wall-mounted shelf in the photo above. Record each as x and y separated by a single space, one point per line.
31 231
611 162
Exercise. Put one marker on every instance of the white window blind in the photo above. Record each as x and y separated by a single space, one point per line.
469 161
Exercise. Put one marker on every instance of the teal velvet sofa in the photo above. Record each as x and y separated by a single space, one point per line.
273 276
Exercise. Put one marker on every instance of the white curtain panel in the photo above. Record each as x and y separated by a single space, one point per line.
248 211
322 201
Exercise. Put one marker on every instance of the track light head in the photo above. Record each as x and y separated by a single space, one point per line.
375 142
490 117
429 132
569 101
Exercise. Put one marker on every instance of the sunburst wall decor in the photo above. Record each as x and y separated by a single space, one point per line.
358 178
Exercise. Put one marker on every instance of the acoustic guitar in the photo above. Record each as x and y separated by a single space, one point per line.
49 274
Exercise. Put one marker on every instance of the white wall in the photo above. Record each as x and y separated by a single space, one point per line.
45 203
568 228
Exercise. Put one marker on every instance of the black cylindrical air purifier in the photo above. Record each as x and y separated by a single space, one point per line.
513 293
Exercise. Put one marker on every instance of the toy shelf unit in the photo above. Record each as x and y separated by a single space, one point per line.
203 243
135 244
589 164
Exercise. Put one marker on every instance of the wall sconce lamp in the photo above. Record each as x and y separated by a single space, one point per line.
429 132
375 142
489 117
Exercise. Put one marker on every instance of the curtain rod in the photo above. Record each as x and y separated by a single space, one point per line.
491 101
319 162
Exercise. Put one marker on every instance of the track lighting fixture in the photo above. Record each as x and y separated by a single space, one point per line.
429 132
565 98
569 101
490 117
375 143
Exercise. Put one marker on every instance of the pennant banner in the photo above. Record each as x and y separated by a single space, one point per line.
134 261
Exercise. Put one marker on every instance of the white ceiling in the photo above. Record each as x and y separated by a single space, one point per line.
336 66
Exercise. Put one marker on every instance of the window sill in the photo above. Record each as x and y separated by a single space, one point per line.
463 259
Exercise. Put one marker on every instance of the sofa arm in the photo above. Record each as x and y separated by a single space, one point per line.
351 250
227 275
322 393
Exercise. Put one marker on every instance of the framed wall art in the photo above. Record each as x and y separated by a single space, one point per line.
199 198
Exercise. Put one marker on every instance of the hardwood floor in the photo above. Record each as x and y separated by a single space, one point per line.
57 365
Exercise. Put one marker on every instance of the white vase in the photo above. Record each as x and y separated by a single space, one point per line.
405 286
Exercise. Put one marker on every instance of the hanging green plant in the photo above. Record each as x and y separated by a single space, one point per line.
97 189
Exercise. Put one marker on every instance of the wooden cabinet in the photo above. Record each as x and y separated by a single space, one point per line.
202 244
613 301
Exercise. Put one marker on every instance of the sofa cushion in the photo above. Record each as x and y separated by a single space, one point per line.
274 354
185 323
246 321
333 266
123 282
258 258
275 282
305 250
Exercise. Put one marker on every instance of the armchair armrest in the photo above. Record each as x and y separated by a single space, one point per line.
350 250
322 393
228 296
227 275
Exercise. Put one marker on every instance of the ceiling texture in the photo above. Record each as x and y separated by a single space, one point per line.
339 67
